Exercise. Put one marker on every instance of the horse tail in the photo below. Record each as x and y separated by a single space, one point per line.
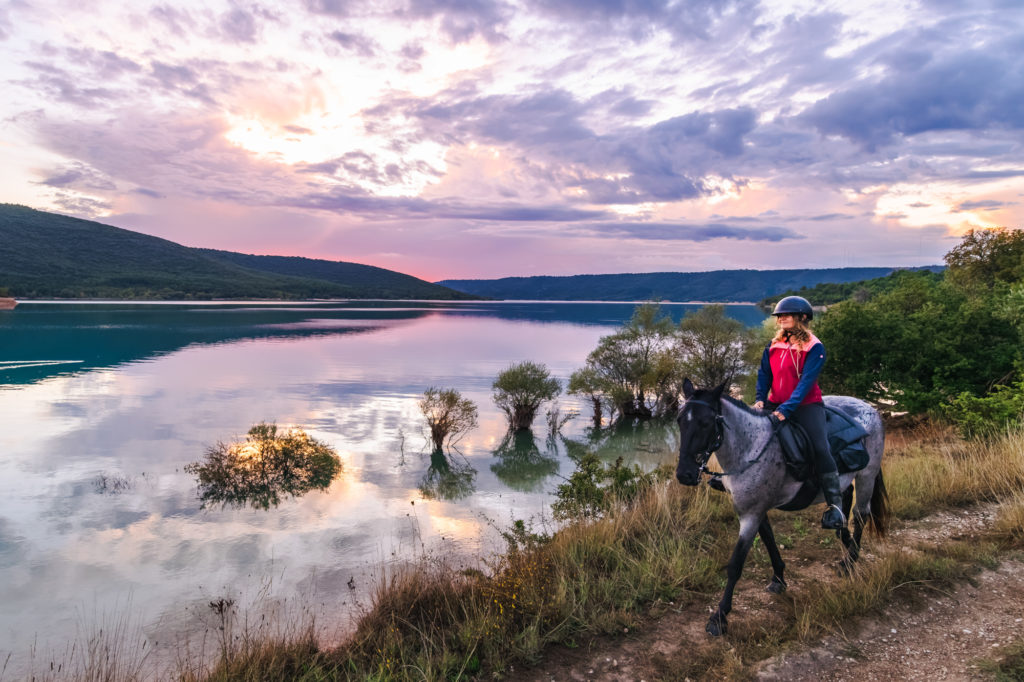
879 515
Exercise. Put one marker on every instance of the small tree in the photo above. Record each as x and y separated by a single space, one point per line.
449 416
713 346
520 390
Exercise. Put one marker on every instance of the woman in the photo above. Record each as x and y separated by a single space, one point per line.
787 384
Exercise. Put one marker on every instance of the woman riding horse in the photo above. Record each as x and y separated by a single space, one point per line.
787 385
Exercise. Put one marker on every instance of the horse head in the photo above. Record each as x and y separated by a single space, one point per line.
700 430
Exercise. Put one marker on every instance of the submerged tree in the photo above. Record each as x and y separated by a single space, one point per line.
587 383
449 416
521 389
636 363
268 464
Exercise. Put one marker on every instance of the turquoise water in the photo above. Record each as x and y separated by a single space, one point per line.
98 516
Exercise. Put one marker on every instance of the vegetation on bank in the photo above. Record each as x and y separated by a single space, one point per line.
829 293
952 348
48 255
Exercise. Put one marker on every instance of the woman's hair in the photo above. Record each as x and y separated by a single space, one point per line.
799 335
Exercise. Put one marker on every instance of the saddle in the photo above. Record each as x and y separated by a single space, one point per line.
845 440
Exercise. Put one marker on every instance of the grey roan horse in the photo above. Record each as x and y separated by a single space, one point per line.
756 476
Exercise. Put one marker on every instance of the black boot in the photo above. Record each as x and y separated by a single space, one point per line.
833 517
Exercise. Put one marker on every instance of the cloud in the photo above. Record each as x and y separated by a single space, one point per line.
239 25
971 90
986 204
354 42
693 233
639 19
78 176
62 86
462 20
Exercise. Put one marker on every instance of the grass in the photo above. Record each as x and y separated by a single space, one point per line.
597 577
1009 667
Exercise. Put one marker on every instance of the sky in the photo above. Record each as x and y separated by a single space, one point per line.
481 139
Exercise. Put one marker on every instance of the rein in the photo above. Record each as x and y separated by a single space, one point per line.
716 442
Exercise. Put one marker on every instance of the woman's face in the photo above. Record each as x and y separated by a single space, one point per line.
786 321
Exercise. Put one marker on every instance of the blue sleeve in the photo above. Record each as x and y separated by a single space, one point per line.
812 368
764 377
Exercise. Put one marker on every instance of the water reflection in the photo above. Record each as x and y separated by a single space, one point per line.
450 477
267 465
91 336
521 464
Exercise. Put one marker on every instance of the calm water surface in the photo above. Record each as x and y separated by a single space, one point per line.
98 518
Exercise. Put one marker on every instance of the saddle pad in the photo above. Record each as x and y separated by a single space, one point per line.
845 440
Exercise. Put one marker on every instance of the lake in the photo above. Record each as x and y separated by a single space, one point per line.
104 405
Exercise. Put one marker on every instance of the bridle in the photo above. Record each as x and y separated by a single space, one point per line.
713 443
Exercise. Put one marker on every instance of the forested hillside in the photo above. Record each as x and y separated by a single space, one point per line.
49 255
718 285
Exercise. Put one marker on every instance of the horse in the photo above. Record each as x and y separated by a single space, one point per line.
743 439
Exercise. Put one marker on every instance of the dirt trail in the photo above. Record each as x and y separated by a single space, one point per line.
935 639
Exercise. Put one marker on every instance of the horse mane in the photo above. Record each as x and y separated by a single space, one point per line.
743 406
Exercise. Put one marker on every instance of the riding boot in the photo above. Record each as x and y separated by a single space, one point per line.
833 517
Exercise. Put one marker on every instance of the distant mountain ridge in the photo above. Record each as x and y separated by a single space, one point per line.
723 286
45 255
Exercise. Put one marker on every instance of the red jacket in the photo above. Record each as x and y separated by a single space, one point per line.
788 376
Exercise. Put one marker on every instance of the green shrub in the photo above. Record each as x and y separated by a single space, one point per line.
520 390
979 416
594 487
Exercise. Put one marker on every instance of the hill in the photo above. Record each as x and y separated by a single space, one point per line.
718 285
829 293
50 255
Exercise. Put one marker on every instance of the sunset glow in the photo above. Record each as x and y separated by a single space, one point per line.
494 139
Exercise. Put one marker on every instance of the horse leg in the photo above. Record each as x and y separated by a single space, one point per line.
778 582
850 543
717 624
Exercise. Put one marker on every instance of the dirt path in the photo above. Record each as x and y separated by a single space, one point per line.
936 639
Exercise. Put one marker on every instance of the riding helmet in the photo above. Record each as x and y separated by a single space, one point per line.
794 305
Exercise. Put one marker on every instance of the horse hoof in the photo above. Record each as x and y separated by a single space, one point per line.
776 586
716 625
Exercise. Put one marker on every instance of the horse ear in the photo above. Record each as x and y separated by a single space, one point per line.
717 393
688 389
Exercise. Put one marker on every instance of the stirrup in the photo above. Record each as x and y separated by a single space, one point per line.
829 520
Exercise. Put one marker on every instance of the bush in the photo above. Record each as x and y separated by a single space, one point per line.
976 416
520 390
594 488
449 416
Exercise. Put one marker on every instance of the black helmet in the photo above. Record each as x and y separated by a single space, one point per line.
794 305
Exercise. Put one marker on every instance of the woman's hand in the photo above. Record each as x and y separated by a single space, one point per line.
778 415
759 405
